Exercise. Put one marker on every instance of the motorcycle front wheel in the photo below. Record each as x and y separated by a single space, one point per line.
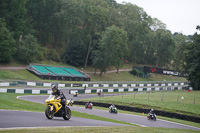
67 114
86 105
49 114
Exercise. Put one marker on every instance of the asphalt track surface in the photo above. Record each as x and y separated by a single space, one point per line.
26 119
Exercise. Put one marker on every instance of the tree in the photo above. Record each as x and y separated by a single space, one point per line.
14 12
29 50
7 43
136 23
95 21
165 47
99 61
181 42
192 54
157 24
114 45
75 53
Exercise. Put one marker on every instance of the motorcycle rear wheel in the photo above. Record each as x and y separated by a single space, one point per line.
67 114
48 113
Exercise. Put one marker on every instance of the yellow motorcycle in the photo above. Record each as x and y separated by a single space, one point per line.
75 94
54 108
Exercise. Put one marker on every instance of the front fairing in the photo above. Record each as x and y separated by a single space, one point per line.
50 98
54 103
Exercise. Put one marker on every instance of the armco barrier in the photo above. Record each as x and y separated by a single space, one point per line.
140 110
25 91
102 85
81 91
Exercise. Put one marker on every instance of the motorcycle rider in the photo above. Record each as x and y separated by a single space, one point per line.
89 103
76 94
71 100
151 113
59 94
112 107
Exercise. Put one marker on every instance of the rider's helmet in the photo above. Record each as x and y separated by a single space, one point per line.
151 110
54 88
89 101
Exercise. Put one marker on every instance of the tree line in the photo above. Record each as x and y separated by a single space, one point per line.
99 33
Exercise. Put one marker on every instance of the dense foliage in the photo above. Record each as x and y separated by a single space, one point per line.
99 33
192 59
7 48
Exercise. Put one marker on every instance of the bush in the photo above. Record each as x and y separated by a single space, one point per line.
29 50
134 71
52 54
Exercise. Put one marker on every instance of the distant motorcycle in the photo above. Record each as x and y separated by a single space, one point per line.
88 105
99 93
113 110
75 94
151 116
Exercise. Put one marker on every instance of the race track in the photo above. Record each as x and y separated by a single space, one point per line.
20 119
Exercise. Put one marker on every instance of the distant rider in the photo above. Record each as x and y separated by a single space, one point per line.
151 113
112 106
59 94
89 103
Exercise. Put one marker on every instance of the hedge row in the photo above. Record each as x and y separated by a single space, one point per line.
140 110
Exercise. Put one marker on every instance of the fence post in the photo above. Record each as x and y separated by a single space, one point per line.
162 97
194 101
177 98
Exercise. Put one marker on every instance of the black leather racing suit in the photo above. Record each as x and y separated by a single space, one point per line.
61 95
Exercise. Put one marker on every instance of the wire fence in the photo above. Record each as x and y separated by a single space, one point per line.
183 96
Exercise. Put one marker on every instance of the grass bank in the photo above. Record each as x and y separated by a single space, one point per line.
101 130
123 76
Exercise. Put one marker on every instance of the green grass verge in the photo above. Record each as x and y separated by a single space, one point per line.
100 130
27 76
10 102
126 76
171 102
18 75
